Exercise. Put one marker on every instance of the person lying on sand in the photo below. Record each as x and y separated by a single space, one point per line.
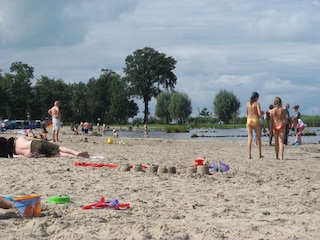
37 148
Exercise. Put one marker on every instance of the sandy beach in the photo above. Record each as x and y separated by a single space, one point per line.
256 199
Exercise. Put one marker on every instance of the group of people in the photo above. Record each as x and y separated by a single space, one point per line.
279 124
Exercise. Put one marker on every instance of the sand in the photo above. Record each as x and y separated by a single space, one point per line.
255 199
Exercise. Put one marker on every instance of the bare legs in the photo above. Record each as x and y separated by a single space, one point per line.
55 135
67 152
257 130
278 144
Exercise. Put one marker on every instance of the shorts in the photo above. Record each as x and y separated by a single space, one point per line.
56 124
252 121
44 147
278 127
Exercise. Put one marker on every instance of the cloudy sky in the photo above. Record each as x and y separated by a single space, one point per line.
272 47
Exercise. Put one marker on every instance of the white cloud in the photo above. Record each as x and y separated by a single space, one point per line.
239 45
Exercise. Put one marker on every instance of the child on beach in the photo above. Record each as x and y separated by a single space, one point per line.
278 119
298 129
43 134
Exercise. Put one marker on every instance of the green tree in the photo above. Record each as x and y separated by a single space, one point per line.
78 103
226 105
5 88
121 107
147 72
45 92
162 106
180 106
19 93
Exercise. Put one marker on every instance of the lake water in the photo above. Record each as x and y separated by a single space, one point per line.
210 134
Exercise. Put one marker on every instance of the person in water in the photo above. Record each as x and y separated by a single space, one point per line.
278 120
253 109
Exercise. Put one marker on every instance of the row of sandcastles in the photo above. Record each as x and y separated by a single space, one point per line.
200 166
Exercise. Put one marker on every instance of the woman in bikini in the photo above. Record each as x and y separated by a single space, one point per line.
278 117
253 124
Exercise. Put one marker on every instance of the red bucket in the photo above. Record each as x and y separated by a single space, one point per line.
198 162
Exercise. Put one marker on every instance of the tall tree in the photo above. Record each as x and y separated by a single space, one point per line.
226 105
78 103
162 106
147 72
19 91
46 91
180 106
5 88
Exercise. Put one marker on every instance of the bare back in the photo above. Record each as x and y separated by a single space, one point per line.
253 110
23 146
278 115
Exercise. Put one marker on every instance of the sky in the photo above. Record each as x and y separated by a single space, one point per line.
271 47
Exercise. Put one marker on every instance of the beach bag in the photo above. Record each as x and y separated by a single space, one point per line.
220 166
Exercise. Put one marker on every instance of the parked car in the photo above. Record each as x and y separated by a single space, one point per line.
21 124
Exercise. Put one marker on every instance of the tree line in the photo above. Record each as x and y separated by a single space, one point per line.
109 98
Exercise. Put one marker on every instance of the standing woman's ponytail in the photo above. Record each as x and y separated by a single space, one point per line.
254 97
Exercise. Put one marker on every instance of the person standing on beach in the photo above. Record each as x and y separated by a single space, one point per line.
86 126
269 124
295 121
288 124
253 109
56 120
146 130
278 118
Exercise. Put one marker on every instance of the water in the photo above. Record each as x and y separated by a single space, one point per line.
239 134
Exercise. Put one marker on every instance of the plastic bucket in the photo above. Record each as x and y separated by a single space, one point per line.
198 162
110 140
28 206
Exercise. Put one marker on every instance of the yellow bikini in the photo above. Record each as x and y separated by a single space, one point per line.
252 121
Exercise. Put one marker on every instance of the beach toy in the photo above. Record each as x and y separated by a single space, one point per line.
110 141
28 206
97 165
198 161
114 204
220 166
59 199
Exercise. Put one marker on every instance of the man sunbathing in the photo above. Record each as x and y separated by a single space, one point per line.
39 148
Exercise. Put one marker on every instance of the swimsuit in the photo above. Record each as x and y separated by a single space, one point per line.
44 147
56 124
252 121
278 127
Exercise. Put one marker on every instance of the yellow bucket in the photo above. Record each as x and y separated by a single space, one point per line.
110 140
29 206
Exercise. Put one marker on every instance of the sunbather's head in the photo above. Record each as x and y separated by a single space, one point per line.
6 147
